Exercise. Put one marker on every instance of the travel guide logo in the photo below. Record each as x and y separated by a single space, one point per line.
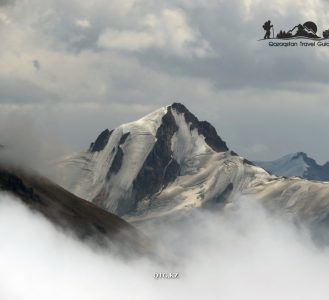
307 34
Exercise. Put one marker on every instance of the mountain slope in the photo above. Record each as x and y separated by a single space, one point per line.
84 219
296 164
169 162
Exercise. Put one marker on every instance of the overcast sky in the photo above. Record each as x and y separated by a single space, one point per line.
74 68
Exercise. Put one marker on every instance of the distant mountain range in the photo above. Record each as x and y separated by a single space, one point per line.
296 164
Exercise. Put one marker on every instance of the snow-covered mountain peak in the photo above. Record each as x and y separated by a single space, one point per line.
187 129
140 158
296 164
292 164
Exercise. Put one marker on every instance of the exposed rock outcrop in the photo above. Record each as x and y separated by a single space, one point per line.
203 127
101 141
160 168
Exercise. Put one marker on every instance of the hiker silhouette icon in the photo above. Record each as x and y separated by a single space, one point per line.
267 27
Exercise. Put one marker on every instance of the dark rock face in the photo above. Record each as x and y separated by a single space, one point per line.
203 127
233 153
116 163
118 158
160 168
220 199
101 141
211 137
10 182
171 172
124 138
248 162
244 161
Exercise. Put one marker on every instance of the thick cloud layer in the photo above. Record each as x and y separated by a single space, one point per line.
242 255
88 65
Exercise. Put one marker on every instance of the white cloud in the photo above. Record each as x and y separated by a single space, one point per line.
168 31
83 23
127 40
245 254
4 19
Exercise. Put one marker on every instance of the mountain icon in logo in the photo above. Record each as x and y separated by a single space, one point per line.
309 30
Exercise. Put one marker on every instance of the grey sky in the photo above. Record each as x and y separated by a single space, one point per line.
77 67
6 2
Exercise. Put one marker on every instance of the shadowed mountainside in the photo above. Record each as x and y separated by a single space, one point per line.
70 213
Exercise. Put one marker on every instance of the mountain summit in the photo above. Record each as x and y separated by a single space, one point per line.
169 162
